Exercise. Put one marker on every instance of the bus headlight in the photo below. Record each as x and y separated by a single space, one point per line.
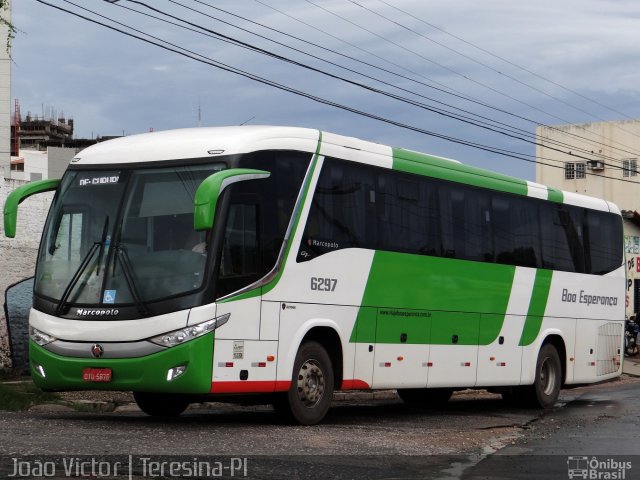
177 337
39 337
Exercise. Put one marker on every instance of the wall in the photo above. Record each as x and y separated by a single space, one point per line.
611 142
18 255
39 165
58 160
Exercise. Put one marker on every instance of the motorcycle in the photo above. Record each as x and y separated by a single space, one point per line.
631 330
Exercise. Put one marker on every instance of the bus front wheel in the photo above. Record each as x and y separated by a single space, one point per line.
309 396
161 404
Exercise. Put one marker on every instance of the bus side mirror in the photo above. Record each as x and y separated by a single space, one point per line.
211 188
17 196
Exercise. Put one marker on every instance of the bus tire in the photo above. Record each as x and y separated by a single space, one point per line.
428 397
161 404
548 380
547 383
309 397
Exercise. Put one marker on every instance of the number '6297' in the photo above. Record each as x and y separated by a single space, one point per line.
324 284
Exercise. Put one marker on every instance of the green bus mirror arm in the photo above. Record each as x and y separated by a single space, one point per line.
207 194
17 196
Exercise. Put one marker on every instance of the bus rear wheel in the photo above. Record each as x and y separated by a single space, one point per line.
428 397
161 404
546 386
547 383
308 399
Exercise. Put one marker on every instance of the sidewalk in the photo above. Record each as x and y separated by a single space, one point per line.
631 366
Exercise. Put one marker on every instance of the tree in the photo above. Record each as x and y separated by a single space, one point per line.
11 30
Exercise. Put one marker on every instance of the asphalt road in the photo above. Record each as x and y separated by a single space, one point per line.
475 436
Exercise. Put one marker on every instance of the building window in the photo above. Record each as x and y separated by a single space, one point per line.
574 170
569 171
630 167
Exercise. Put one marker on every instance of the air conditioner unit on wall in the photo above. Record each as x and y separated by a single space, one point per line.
595 165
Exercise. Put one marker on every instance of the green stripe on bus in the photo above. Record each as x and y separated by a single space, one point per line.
555 195
433 298
537 307
421 164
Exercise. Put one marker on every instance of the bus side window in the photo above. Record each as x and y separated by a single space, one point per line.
516 231
240 257
399 214
340 215
602 252
562 247
240 247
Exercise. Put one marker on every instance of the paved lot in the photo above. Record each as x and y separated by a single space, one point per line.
362 437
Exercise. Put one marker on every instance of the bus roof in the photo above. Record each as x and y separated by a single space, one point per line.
215 141
197 143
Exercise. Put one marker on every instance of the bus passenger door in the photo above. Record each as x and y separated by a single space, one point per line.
453 354
402 348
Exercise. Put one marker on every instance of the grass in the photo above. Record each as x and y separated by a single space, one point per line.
22 395
7 374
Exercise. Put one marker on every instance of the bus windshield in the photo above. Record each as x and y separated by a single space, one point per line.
121 237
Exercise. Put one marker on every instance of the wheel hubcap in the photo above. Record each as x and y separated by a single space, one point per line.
548 377
310 383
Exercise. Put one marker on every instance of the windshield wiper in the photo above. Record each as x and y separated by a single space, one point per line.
102 244
76 276
127 271
83 266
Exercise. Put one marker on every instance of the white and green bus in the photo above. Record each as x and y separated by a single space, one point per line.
287 263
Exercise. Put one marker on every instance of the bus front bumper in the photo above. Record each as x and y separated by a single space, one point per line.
150 373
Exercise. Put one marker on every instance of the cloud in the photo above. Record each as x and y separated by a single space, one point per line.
111 83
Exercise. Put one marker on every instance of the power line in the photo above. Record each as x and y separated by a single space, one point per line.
474 60
513 64
446 90
468 57
484 122
466 77
222 66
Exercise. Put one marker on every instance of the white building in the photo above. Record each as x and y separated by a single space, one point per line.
32 165
5 95
601 161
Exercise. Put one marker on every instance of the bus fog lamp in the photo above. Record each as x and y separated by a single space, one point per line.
40 370
177 337
39 337
175 372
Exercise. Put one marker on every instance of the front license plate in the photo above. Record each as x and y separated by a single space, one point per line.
96 374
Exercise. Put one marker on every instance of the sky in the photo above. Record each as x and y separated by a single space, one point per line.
501 67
